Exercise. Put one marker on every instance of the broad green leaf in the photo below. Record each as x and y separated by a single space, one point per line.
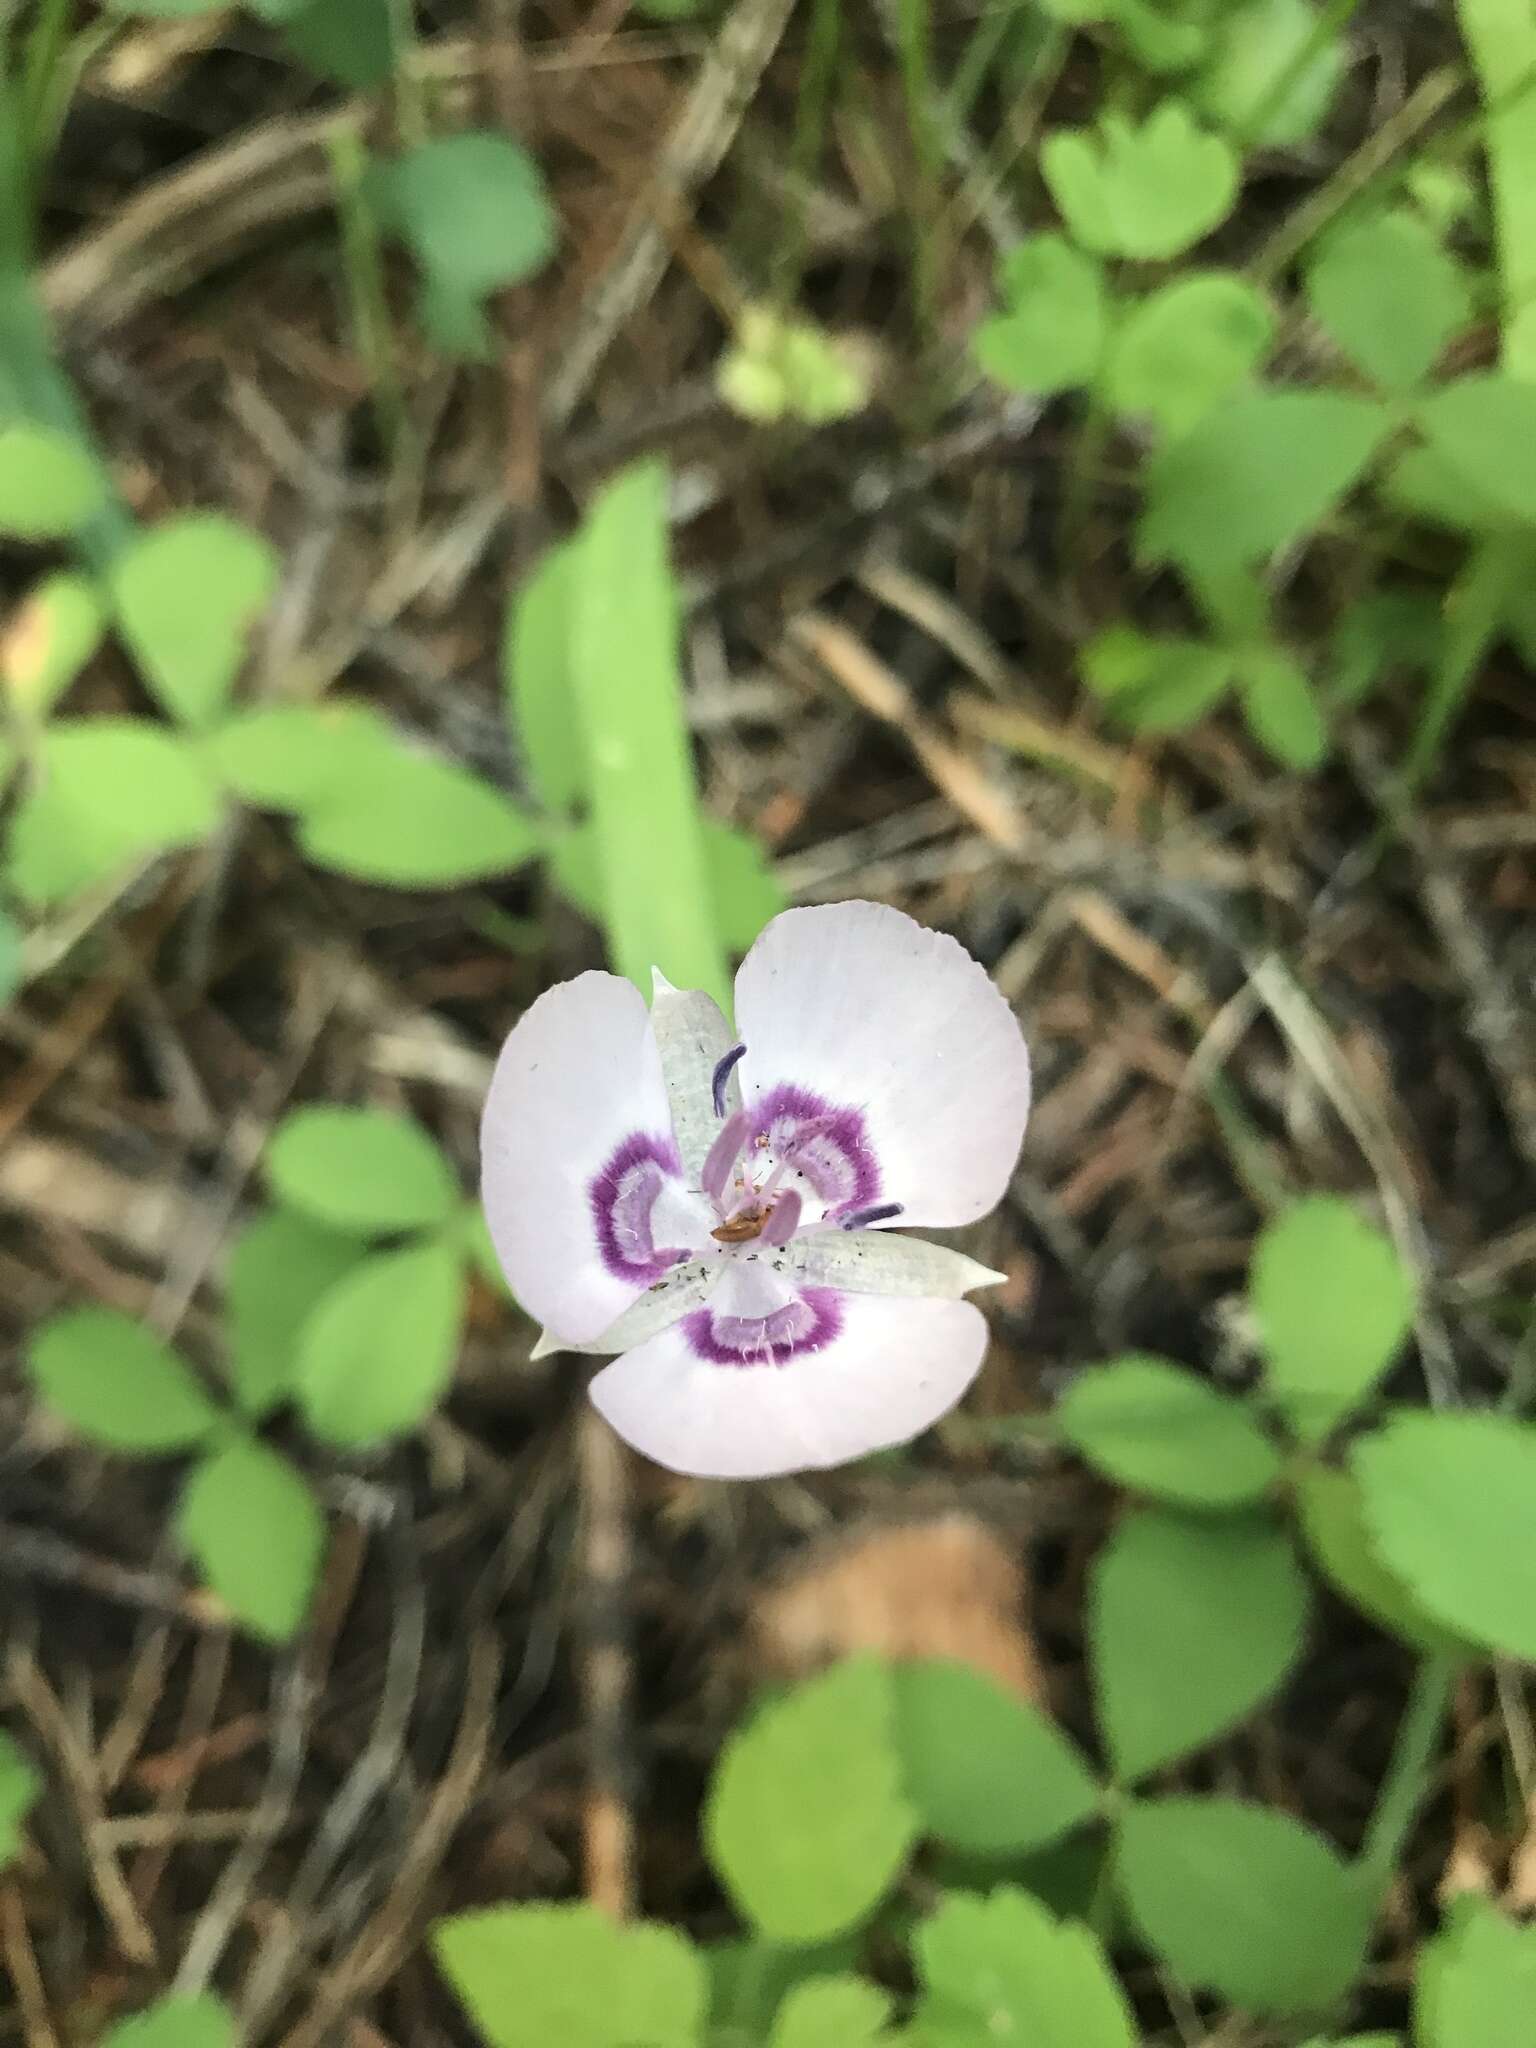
534 1976
290 757
1243 1901
411 820
112 791
539 689
252 1525
1002 1970
832 2012
1253 48
364 1170
806 1823
1356 2041
187 594
1422 483
1390 297
1331 1516
1156 683
1477 1982
116 1383
472 208
1483 428
1055 319
1185 347
378 1352
1254 474
1281 706
19 1788
1157 44
351 42
47 640
1450 1503
1193 1624
987 1772
49 486
1148 192
279 1268
1333 1305
201 2022
1158 1428
651 857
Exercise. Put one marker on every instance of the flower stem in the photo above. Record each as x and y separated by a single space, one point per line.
1407 1781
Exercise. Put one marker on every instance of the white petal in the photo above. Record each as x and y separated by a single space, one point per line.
579 1074
863 1006
685 1287
895 1367
693 1038
881 1262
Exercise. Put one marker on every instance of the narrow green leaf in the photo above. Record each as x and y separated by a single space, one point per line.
535 1976
19 1789
1003 1970
1254 474
1243 1901
49 486
1193 1624
1333 1305
644 805
201 2022
411 820
1156 1427
116 1383
806 1824
1450 1503
988 1773
364 1170
188 593
1390 297
252 1525
378 1352
279 1268
539 686
743 891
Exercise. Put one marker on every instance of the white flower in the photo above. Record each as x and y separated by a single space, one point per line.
716 1208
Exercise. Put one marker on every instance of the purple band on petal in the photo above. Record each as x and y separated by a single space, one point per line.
724 1068
826 1145
807 1324
622 1197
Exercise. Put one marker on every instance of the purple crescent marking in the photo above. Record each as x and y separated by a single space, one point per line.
808 1324
826 1145
622 1198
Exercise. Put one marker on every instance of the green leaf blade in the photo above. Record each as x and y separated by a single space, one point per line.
378 1352
1003 1969
116 1383
1390 297
49 485
187 594
1159 1429
806 1824
252 1525
279 1269
361 1170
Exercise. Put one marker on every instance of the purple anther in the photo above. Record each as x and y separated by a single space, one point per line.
724 1068
882 1212
783 1220
723 1155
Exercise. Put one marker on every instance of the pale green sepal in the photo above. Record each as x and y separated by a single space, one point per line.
685 1287
692 1037
880 1262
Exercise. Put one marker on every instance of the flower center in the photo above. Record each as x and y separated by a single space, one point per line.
790 1149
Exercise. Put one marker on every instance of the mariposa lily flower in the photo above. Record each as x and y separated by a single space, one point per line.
717 1207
